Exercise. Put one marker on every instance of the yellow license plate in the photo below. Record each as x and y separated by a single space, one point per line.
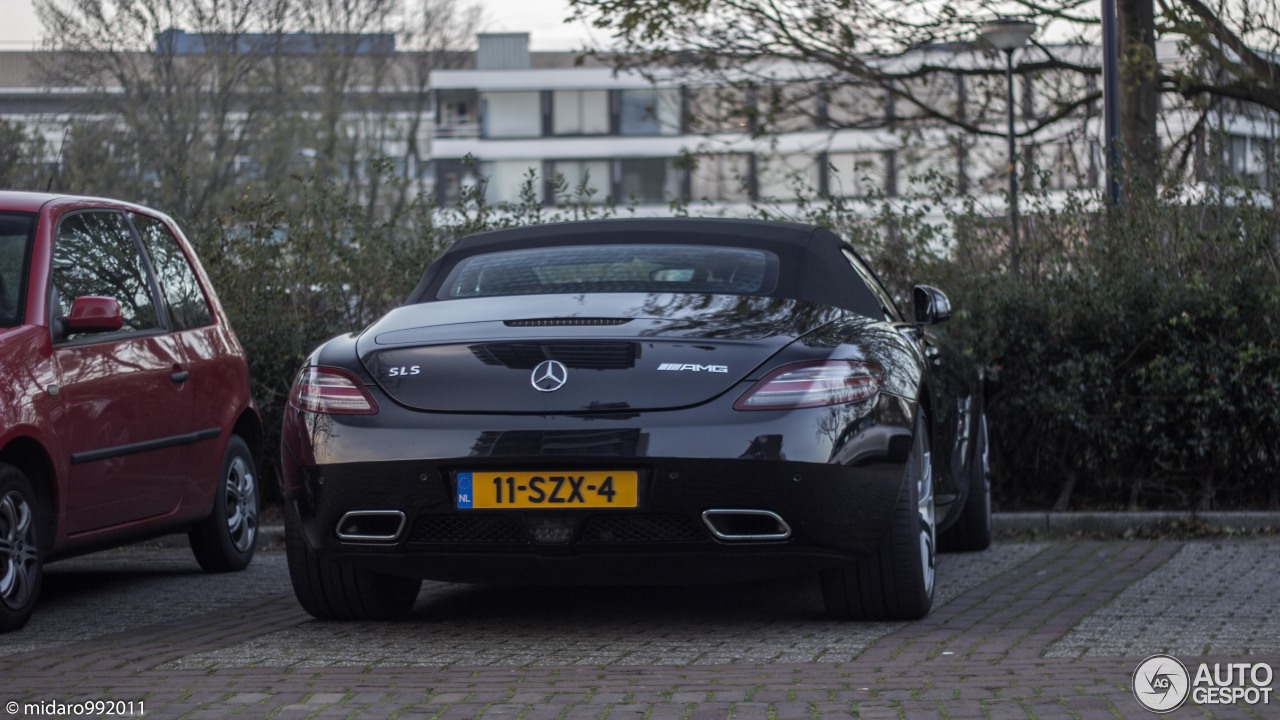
551 490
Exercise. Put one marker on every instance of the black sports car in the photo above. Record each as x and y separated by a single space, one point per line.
637 401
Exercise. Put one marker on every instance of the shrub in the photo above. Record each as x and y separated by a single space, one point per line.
1134 360
306 262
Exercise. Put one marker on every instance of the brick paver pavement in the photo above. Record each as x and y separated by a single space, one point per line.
1026 630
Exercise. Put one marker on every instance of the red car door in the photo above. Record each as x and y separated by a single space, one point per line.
125 420
211 364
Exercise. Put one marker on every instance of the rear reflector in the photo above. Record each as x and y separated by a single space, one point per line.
331 391
813 384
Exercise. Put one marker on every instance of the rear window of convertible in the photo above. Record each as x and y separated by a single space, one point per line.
615 268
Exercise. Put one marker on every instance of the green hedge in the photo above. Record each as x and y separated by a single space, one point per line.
1133 361
297 264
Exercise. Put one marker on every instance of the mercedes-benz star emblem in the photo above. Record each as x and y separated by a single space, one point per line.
549 375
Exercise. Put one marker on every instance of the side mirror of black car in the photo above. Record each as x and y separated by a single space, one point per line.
931 305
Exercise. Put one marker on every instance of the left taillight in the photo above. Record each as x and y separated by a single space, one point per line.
813 384
331 391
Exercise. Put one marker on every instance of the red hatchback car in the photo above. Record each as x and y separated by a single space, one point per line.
124 394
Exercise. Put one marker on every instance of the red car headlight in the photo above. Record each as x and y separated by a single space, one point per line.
813 384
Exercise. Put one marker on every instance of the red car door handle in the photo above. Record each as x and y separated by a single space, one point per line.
180 376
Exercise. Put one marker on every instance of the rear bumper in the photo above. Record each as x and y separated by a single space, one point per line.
836 499
831 512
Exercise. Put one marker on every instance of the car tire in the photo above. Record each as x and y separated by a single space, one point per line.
21 556
226 540
333 591
896 581
972 530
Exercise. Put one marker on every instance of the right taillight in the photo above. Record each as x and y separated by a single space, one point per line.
813 384
331 391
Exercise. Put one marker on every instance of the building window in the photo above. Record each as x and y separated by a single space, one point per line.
856 174
650 112
511 114
784 177
856 105
714 109
1246 159
247 167
724 177
1066 165
584 180
580 112
791 107
451 177
504 180
928 170
648 180
455 115
986 167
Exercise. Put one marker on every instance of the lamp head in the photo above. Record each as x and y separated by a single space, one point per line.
1007 34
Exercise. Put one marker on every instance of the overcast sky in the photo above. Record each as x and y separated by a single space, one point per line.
541 18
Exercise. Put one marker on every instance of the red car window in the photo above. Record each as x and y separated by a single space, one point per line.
15 249
95 254
183 297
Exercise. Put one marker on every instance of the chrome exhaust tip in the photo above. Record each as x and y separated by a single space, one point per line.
746 525
371 526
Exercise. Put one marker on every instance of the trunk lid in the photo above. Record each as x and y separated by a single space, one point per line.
614 353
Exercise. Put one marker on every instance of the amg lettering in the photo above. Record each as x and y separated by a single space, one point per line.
692 367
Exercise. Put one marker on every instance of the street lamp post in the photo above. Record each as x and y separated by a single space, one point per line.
1009 34
1111 99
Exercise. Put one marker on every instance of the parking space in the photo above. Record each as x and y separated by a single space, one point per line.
1050 629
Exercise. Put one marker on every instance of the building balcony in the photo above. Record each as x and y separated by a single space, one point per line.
457 130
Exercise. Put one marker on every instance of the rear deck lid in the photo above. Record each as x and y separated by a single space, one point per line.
604 353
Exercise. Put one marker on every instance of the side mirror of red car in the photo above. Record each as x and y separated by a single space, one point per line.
93 314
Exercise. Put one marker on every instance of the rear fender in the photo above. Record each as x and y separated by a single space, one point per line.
863 339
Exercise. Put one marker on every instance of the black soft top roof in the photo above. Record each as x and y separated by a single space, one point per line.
811 266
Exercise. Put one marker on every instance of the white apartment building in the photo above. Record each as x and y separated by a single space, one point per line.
512 114
645 144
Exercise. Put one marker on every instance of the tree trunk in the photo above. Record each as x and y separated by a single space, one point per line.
1135 495
1064 497
1208 492
1139 95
